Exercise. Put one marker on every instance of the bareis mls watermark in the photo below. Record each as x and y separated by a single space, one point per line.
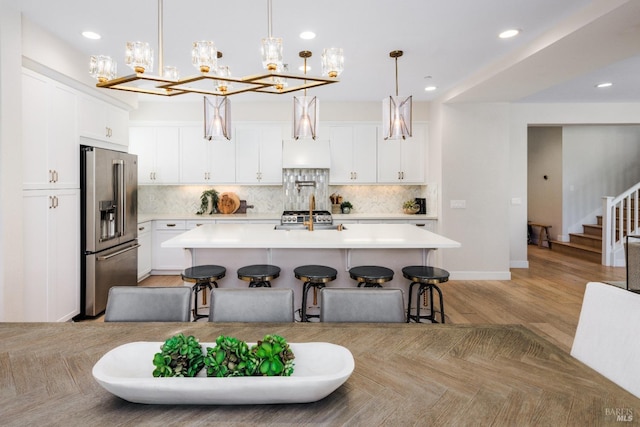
619 414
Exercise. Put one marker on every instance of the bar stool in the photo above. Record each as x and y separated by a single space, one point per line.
316 277
259 275
427 278
204 276
371 276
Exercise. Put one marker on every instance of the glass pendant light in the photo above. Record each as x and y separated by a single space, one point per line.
102 68
217 118
271 47
305 110
396 111
332 62
204 56
139 56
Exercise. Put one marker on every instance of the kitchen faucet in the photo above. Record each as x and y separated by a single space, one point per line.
312 206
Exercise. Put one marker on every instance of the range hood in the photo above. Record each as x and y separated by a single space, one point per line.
306 154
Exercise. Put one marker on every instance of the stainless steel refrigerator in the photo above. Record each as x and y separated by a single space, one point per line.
109 188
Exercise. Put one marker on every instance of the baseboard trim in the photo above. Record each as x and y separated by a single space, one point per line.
479 275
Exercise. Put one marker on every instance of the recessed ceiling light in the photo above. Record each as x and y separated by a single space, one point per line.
307 35
603 85
430 88
507 34
91 35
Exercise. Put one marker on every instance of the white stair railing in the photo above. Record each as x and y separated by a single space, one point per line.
619 218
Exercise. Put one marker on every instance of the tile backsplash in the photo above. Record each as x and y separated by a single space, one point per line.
184 199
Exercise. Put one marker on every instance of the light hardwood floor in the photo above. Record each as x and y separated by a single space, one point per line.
546 297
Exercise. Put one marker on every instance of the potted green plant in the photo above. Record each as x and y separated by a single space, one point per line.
346 207
410 207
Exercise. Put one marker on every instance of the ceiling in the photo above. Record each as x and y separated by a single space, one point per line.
564 49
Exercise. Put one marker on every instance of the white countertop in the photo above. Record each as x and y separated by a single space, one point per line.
275 216
354 236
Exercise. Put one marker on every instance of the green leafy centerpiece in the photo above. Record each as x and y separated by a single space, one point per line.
182 356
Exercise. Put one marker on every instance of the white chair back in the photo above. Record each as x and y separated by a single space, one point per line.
608 335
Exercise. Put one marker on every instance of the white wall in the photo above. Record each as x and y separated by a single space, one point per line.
474 141
11 249
544 196
598 161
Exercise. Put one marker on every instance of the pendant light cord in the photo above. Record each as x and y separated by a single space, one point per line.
269 18
160 39
396 58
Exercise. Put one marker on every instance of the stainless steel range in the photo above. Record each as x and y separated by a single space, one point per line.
298 220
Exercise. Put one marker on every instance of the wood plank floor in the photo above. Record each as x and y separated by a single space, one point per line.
546 297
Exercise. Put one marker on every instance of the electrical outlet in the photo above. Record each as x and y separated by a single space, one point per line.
458 204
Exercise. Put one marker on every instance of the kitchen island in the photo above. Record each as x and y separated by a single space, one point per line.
236 245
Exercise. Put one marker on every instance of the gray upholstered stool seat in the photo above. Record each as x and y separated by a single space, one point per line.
259 275
371 276
427 279
204 277
316 277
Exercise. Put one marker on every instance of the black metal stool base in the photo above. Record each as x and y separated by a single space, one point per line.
316 277
259 275
427 279
205 277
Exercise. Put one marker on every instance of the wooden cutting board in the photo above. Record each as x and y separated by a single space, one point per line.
228 203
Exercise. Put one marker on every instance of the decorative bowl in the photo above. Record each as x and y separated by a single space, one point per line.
320 368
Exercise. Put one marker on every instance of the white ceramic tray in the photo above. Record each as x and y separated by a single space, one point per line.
320 368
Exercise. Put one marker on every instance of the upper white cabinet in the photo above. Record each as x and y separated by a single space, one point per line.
158 150
49 134
403 161
204 161
103 121
353 154
258 154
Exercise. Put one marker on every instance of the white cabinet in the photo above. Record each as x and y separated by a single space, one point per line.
353 154
102 121
49 134
258 154
167 260
144 250
204 161
51 255
158 150
403 161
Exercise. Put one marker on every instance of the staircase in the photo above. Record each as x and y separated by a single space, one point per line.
621 217
586 245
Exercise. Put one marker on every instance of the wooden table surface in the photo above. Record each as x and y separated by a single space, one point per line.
404 375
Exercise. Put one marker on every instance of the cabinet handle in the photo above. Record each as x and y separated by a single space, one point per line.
420 225
171 225
55 175
50 202
140 228
355 175
50 175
